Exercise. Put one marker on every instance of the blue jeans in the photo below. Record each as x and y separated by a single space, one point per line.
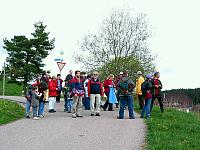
28 106
68 104
146 108
35 111
41 108
87 103
123 101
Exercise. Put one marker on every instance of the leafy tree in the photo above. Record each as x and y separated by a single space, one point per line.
126 63
26 55
120 36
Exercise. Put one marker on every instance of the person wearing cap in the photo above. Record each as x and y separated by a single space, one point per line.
53 88
139 82
95 91
157 93
108 83
147 94
77 93
125 88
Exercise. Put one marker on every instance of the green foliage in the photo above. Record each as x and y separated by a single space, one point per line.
120 64
26 55
11 89
10 111
193 94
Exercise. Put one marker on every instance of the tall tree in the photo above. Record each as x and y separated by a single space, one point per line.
26 55
119 36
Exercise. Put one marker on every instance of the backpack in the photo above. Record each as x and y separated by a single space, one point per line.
124 86
28 95
144 88
43 86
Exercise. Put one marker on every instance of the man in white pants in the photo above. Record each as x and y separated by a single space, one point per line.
95 92
53 87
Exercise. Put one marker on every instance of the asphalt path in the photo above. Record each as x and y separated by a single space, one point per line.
59 131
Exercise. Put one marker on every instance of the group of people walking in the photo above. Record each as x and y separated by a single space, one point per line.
88 90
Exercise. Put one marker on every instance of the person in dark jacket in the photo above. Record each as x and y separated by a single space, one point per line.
35 102
69 77
146 88
157 94
77 93
43 86
60 81
125 88
95 91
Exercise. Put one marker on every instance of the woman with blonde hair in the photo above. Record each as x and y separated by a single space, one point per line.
108 83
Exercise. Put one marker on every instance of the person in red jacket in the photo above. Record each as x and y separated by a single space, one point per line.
108 83
95 91
77 93
53 88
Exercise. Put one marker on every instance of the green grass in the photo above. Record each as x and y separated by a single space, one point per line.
172 130
11 89
10 111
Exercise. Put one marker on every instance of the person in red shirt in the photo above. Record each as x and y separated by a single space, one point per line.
146 88
53 88
157 94
108 83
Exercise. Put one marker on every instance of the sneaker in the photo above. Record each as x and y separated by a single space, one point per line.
92 114
73 115
98 114
119 117
131 117
35 118
69 112
41 116
78 115
27 117
111 110
51 111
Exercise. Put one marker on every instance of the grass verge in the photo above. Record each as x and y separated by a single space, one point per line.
172 129
10 111
11 89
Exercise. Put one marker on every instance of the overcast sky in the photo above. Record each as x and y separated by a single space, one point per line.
175 38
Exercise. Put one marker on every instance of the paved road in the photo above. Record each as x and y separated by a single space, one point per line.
59 131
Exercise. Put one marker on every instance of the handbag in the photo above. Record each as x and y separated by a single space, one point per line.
112 96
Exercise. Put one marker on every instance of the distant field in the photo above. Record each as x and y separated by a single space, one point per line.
11 89
10 111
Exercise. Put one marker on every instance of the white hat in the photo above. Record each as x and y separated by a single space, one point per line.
121 73
139 72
